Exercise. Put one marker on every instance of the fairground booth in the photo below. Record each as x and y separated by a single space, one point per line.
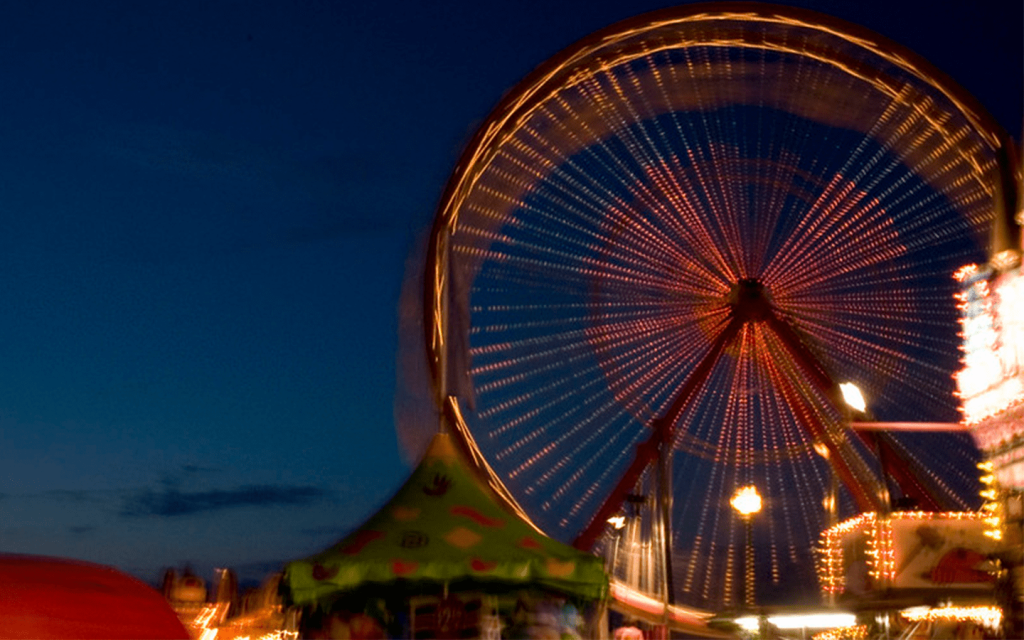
927 570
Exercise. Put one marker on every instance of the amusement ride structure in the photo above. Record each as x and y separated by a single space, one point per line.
660 256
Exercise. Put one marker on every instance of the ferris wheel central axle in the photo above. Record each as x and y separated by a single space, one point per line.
749 300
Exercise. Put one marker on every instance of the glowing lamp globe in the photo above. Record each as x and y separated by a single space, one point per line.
853 397
747 501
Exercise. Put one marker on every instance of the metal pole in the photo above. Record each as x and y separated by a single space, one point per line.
665 524
748 523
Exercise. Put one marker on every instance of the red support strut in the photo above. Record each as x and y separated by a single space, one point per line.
662 430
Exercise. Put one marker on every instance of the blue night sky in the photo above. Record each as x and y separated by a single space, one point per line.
206 210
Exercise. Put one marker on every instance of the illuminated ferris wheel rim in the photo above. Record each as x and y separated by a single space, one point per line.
622 42
969 141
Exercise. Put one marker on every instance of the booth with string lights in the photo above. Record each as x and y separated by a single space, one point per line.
926 568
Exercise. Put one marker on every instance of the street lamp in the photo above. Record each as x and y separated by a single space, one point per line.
853 397
618 523
747 501
857 410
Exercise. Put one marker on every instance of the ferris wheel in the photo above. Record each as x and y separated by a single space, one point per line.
673 240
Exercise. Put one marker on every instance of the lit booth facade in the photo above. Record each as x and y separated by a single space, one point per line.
928 569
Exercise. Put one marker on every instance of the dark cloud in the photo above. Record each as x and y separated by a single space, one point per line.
69 495
77 496
196 469
169 501
81 530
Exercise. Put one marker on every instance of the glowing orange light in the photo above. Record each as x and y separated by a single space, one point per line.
853 632
985 616
746 501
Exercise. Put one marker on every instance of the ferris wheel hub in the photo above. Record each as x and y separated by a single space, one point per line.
749 300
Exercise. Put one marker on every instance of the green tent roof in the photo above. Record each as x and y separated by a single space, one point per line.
444 525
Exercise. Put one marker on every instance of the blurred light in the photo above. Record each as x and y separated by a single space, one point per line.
1005 260
965 272
829 502
746 500
801 621
617 521
852 632
853 396
982 615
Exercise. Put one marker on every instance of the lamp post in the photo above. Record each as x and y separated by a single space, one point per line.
854 401
857 409
619 523
747 501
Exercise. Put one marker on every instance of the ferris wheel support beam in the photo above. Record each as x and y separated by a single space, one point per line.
868 492
906 473
662 430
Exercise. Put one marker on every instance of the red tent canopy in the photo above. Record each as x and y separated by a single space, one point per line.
59 598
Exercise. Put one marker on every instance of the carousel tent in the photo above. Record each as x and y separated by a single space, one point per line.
444 526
